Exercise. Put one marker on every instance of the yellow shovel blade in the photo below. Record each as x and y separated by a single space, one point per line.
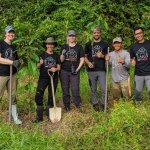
55 114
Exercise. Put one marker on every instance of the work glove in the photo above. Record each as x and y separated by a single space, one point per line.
73 71
63 52
16 63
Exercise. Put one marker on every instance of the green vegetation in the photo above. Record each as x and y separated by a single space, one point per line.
124 128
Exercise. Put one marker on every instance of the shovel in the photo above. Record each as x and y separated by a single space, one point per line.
55 112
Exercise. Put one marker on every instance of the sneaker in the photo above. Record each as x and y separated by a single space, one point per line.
138 102
96 107
102 107
18 121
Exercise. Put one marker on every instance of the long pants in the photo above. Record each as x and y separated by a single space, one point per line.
120 88
94 77
42 85
68 80
5 83
139 82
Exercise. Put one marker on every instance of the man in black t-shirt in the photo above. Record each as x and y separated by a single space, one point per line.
9 56
140 58
72 59
48 61
95 52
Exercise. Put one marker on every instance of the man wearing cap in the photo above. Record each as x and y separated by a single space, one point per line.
49 61
72 58
9 56
140 58
120 62
95 52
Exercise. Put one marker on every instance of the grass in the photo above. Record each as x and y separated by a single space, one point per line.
126 127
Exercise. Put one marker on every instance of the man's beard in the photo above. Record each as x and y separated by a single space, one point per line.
96 38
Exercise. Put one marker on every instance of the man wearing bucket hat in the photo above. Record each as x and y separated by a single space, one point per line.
72 58
95 52
48 61
120 62
8 57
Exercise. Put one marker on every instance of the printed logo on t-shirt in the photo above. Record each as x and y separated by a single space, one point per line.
49 62
8 53
142 54
71 55
96 49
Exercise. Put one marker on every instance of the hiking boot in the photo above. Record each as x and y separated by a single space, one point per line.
15 115
96 107
102 107
39 114
137 102
67 108
47 110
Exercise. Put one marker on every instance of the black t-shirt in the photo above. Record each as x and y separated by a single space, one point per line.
141 52
5 51
72 56
91 50
50 60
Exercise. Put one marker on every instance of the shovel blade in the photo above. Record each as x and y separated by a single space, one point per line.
55 114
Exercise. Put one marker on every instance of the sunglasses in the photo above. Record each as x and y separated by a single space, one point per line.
50 44
71 35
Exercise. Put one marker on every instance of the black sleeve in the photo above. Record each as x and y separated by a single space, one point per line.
81 52
0 48
105 51
86 50
16 56
15 53
41 56
132 55
58 60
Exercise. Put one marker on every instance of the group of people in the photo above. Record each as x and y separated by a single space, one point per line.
67 66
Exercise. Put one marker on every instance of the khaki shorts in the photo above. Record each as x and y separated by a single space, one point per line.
120 89
5 83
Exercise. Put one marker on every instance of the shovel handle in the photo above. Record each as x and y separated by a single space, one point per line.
52 85
10 94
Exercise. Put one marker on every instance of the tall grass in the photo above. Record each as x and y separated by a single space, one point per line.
126 127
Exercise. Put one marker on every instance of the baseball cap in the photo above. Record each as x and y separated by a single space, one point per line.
9 28
117 39
71 32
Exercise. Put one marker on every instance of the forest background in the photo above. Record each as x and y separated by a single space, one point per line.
127 127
